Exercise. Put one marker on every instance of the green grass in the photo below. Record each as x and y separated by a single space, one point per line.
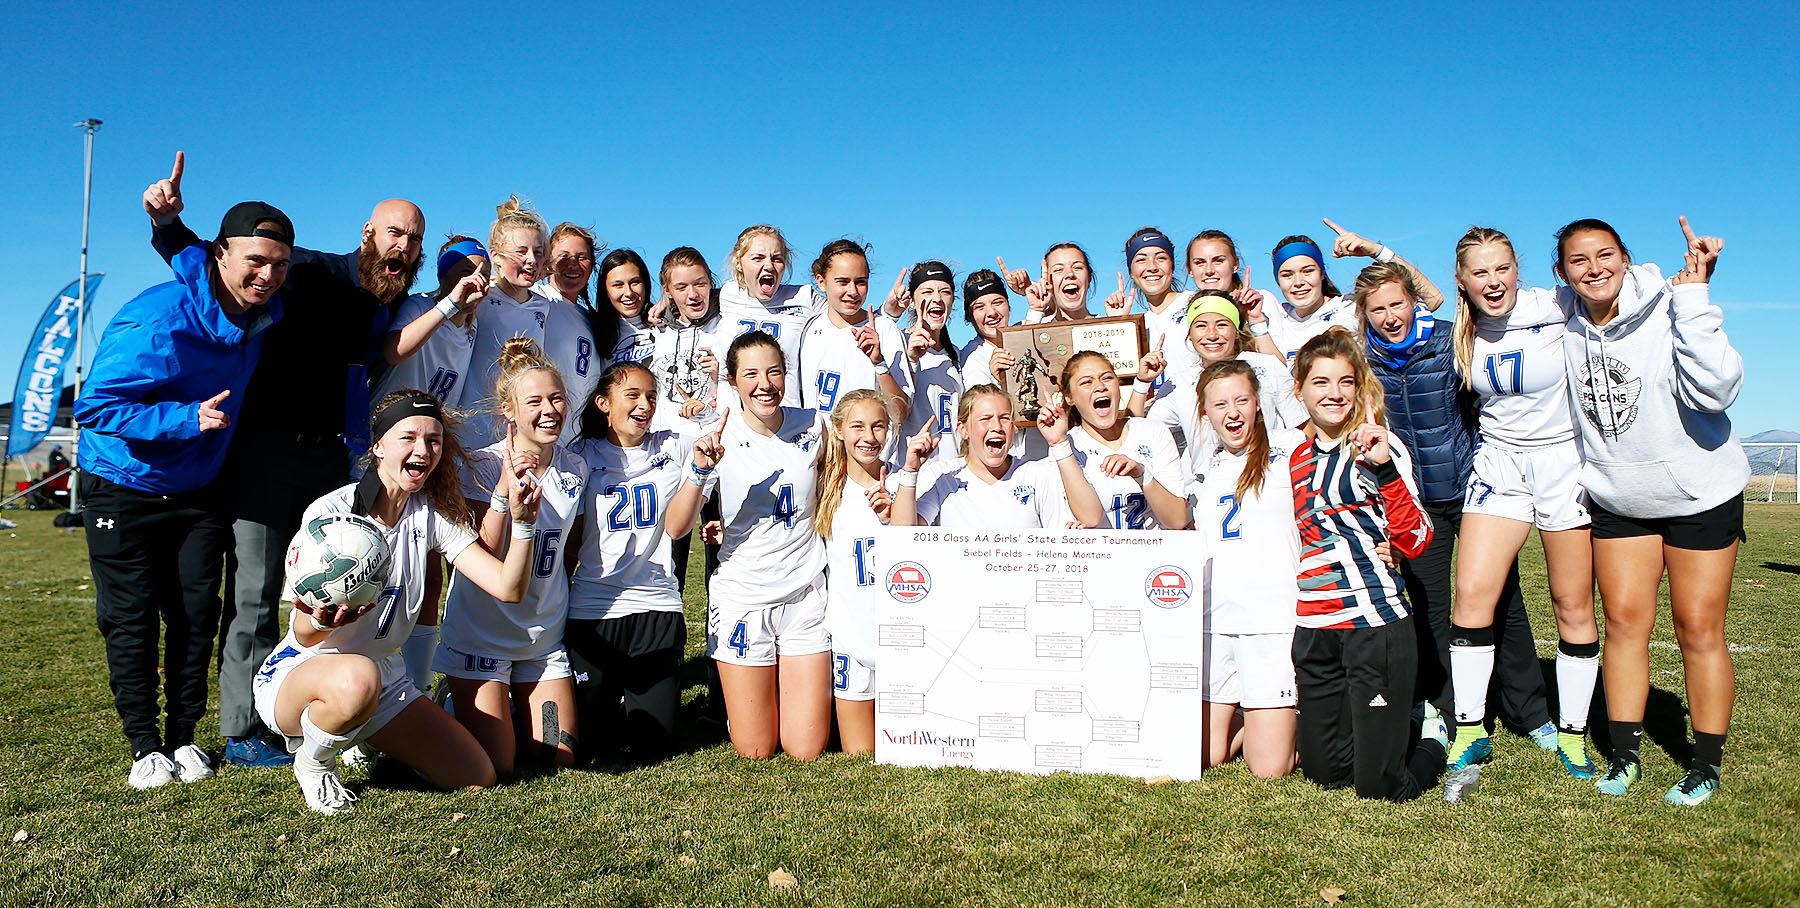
859 834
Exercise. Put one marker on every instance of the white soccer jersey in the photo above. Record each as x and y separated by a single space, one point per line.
561 331
625 564
440 367
977 367
1290 332
853 575
1122 497
783 317
1179 410
1518 370
479 624
1170 328
764 486
1254 544
831 365
936 391
379 632
636 344
1029 495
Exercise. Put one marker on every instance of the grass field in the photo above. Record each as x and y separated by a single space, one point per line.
707 828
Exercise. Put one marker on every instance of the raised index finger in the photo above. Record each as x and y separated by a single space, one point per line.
1335 228
175 172
1686 231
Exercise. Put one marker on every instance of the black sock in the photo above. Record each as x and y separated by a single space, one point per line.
1626 738
1709 750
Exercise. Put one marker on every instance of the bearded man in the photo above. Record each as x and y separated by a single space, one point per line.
304 417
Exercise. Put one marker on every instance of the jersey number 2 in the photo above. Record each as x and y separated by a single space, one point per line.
1226 530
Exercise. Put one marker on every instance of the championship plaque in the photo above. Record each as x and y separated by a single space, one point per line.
1039 351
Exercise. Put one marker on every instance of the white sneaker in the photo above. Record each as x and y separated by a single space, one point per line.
192 764
359 756
324 791
152 770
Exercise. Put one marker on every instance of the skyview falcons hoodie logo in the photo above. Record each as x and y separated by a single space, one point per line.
1608 395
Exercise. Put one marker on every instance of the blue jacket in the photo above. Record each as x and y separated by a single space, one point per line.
167 350
1433 415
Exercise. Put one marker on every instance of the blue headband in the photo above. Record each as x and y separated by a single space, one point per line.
1150 238
1298 247
456 253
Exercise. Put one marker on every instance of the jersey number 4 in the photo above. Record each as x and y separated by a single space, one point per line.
784 505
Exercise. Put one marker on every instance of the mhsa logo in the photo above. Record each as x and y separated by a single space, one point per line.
908 582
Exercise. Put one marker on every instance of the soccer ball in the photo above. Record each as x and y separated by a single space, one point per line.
337 560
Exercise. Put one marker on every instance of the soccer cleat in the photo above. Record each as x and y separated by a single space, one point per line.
1571 749
324 791
1470 746
1619 776
358 756
1694 788
1460 784
152 770
192 764
1432 725
255 751
1545 736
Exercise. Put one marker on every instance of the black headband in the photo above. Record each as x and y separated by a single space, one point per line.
981 285
929 271
415 403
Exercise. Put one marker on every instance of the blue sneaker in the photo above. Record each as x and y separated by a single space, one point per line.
1544 736
1695 787
1571 749
1619 776
256 751
1470 746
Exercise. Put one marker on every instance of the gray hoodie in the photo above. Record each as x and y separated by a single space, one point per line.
1652 387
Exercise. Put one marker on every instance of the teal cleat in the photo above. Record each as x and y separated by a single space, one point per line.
1545 736
1470 746
1619 776
1694 788
1571 749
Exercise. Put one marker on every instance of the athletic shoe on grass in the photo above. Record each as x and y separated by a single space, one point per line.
1694 788
1571 749
192 764
324 791
255 751
1470 746
1619 776
152 770
1545 736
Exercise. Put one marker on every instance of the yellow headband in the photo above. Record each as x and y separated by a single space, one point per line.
1217 305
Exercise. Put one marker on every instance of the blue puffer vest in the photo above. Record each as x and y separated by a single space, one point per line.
1433 415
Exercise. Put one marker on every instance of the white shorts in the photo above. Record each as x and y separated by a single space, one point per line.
757 634
397 690
1540 486
852 678
1255 671
469 666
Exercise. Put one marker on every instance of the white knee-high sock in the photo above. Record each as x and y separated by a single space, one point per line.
1471 668
1577 669
418 651
319 748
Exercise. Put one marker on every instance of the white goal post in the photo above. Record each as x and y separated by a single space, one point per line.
1774 471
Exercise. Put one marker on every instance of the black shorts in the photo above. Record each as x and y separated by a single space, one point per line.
1708 531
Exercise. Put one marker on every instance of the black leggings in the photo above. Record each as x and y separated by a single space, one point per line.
1353 687
636 658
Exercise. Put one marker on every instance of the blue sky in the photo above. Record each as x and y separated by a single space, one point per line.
957 134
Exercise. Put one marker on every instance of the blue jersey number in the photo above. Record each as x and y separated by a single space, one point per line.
1513 363
946 419
584 351
772 329
828 390
441 383
841 673
1478 491
1226 530
740 639
1130 512
865 561
640 498
389 606
784 505
548 541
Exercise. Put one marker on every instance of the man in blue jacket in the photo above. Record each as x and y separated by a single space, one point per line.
156 419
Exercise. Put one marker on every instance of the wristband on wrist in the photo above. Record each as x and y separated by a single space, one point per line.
497 501
446 308
1062 450
1384 255
697 476
522 530
315 623
909 479
1259 329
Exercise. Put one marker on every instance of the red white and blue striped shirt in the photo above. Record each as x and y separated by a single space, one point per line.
1344 506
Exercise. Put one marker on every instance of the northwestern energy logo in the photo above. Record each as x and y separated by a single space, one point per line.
1168 587
908 582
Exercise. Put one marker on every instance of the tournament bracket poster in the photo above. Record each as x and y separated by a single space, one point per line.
1040 651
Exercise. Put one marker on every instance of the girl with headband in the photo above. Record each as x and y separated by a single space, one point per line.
626 633
1150 264
419 354
494 654
765 624
516 307
1653 373
987 309
1311 301
337 677
755 299
937 381
847 347
1430 411
1132 464
855 498
1244 506
1525 471
1216 334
